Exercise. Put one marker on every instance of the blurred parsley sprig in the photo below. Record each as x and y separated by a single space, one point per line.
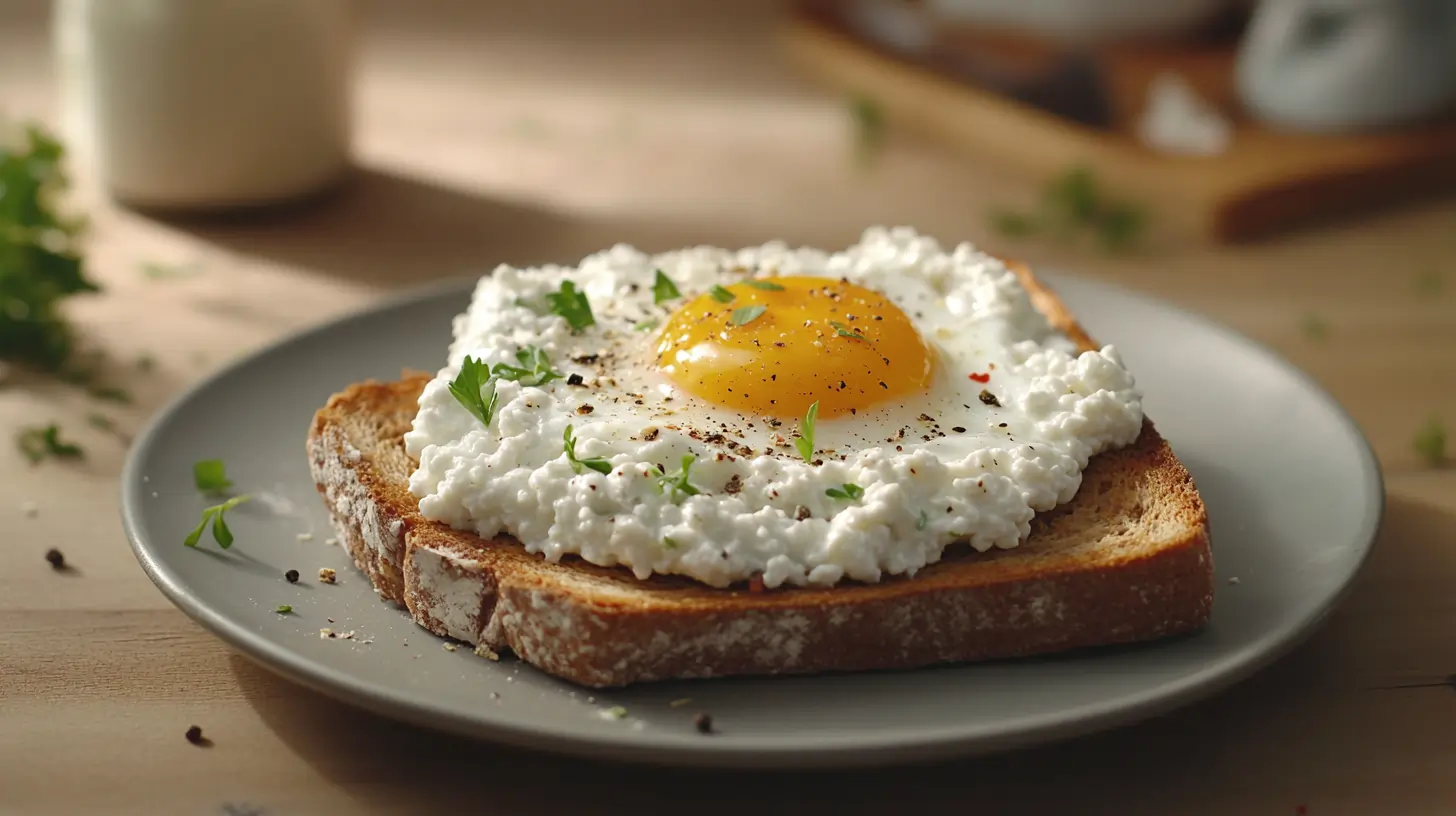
1075 203
40 264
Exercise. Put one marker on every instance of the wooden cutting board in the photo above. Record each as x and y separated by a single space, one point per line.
1266 182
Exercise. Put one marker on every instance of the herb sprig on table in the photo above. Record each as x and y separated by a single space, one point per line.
1072 204
40 264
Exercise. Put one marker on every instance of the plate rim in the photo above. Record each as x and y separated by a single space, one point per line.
680 750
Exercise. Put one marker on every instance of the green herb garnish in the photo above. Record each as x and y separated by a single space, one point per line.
766 286
220 531
845 492
474 388
1430 442
868 120
101 422
744 315
572 305
921 522
663 289
615 713
596 463
534 369
1429 282
41 441
284 609
677 481
845 331
805 441
40 264
164 271
646 325
669 543
721 294
210 476
1314 327
1074 202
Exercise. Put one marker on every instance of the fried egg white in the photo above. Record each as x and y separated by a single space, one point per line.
948 410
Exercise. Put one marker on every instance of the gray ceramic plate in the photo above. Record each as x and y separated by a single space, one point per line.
1293 493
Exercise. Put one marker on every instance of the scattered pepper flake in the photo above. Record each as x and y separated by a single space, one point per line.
755 584
194 736
704 723
990 399
54 557
291 576
981 378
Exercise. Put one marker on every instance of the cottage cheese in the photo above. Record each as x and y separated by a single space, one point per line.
936 468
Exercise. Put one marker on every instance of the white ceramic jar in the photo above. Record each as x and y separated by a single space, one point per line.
208 104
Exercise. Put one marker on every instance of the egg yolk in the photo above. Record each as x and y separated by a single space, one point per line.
775 346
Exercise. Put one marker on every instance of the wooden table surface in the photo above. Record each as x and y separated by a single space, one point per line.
490 132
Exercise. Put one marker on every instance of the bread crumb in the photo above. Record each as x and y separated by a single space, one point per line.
486 652
30 509
449 647
328 576
305 536
349 635
1234 580
331 541
325 633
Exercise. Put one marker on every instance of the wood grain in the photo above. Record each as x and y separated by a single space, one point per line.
529 131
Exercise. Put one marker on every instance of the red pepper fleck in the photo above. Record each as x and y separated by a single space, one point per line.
1300 810
755 584
981 378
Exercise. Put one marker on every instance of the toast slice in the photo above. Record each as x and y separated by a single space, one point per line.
1126 560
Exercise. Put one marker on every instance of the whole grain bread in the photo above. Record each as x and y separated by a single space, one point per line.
1126 560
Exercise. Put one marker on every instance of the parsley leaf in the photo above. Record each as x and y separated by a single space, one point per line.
284 609
764 285
845 331
744 315
846 492
475 389
805 441
677 481
922 521
572 305
669 543
221 533
39 260
535 368
646 325
596 463
41 441
1430 442
1314 327
1075 202
663 289
868 119
210 476
721 294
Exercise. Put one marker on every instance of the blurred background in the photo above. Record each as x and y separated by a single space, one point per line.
247 167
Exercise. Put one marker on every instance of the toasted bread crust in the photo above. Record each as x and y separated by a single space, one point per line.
1127 560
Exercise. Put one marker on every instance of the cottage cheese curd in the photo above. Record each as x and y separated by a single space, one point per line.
999 427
